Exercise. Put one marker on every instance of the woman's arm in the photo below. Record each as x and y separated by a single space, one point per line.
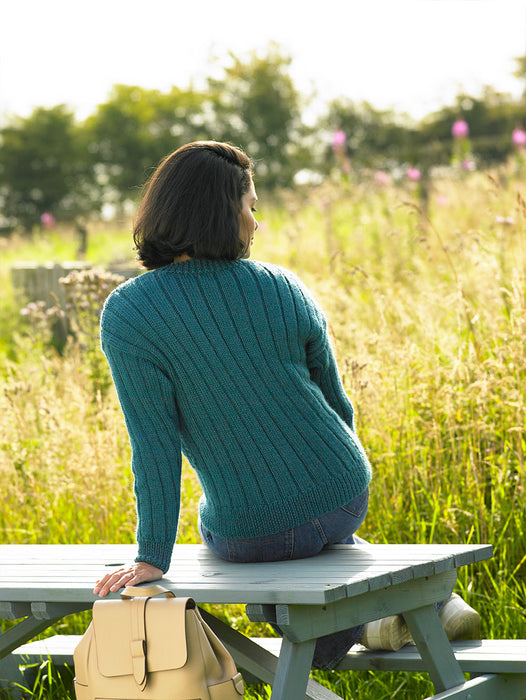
148 401
322 364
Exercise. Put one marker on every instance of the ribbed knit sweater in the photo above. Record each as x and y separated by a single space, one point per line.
229 363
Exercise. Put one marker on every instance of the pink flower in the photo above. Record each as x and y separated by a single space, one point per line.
468 164
518 137
381 178
338 140
507 220
48 220
413 174
460 129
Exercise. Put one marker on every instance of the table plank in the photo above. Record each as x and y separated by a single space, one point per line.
68 572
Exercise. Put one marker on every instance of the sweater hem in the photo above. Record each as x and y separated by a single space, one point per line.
269 519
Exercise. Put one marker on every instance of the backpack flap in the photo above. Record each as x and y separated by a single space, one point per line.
140 634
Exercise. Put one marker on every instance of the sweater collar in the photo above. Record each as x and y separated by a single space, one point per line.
203 265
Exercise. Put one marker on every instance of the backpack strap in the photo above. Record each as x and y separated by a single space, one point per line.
138 640
138 597
148 591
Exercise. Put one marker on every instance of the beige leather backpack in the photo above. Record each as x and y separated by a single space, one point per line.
148 648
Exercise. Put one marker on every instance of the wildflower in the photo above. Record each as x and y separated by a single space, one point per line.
47 220
338 146
382 178
413 174
33 307
504 220
338 140
468 164
460 129
518 137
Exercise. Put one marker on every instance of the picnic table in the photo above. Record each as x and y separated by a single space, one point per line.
344 586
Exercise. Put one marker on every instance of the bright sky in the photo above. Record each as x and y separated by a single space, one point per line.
413 55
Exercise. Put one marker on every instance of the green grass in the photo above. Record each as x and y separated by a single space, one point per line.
428 318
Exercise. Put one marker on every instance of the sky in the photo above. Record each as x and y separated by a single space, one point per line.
410 55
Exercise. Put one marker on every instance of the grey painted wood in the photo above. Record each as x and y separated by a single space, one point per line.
302 622
293 669
505 656
260 664
13 611
59 647
11 677
66 573
430 638
343 586
50 611
486 687
22 632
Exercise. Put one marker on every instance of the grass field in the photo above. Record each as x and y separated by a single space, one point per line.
428 317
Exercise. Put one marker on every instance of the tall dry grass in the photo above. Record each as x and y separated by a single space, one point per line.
428 317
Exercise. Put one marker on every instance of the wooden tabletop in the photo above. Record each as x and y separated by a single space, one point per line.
67 573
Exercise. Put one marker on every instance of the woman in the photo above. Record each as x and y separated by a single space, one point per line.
229 362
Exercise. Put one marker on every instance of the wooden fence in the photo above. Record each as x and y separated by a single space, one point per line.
40 281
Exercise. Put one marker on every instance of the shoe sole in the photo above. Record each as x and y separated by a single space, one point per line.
458 619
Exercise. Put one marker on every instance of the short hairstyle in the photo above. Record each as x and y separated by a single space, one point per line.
192 204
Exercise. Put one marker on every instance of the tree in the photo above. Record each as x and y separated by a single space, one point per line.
378 139
44 169
491 119
135 128
256 106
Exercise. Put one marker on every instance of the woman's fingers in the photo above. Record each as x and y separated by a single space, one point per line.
109 581
137 573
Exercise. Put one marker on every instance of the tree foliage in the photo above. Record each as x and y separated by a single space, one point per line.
491 118
135 128
43 168
51 163
376 138
257 106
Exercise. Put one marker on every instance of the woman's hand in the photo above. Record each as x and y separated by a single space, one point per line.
139 572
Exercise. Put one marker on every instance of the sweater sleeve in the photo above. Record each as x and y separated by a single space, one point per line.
322 364
148 401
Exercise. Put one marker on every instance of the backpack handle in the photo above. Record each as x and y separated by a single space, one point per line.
145 592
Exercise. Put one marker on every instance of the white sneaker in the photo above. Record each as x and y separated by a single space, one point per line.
459 620
389 633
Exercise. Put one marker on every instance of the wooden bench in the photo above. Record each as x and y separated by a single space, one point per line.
344 586
475 657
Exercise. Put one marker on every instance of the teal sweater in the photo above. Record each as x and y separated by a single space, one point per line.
230 363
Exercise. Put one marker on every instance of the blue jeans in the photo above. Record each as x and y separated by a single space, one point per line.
306 540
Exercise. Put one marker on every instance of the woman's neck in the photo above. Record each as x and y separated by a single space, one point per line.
182 258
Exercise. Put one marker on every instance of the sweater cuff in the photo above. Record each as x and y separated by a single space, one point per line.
157 554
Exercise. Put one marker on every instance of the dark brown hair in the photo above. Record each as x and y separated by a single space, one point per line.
192 204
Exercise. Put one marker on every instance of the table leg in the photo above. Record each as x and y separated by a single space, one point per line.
293 670
10 673
22 633
434 647
258 662
42 616
11 676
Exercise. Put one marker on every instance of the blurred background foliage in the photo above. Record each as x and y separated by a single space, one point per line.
74 171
